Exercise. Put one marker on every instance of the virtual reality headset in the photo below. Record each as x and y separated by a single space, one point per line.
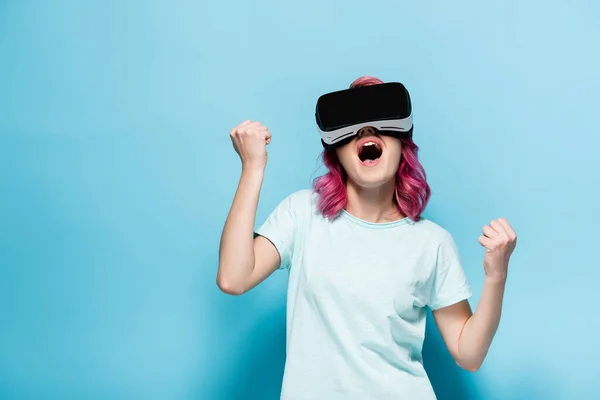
386 107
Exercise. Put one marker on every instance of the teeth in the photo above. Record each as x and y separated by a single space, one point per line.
369 144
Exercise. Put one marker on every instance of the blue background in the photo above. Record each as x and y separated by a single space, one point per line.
117 172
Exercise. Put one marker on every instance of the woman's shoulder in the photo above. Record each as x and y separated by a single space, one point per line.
303 196
433 231
300 198
301 201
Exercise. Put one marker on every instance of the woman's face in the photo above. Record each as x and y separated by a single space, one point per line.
370 159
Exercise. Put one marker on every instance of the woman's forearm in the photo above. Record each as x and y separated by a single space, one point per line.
480 328
236 252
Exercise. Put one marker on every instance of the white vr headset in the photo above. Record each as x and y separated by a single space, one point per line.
385 107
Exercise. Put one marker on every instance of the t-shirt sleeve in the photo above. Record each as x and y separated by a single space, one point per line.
449 282
280 227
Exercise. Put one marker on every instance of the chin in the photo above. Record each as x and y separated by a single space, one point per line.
371 161
372 179
371 185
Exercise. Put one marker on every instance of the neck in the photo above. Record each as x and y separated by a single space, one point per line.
372 204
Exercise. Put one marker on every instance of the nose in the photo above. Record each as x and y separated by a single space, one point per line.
367 131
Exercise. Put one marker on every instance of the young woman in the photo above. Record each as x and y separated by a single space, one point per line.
364 266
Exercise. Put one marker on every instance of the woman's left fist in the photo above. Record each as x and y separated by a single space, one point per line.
499 240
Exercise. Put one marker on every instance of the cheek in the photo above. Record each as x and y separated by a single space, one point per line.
345 155
394 148
397 156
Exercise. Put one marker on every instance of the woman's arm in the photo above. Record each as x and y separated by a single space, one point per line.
468 336
244 261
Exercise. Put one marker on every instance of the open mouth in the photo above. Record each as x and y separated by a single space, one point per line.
369 152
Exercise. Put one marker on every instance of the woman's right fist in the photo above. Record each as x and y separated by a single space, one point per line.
250 140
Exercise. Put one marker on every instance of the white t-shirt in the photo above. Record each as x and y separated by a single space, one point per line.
357 299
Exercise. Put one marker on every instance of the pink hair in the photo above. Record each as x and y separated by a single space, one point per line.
412 190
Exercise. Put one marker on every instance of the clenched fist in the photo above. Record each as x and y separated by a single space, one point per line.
250 140
499 241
